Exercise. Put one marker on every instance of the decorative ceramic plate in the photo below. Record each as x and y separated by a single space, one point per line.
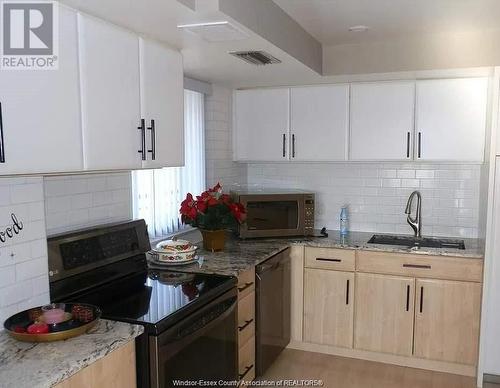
78 319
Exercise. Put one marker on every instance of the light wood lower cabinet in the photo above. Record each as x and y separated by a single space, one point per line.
116 370
246 326
447 320
328 307
409 309
384 313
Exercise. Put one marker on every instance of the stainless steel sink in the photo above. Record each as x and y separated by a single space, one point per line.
410 241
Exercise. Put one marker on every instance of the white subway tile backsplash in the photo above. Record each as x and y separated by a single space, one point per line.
450 193
31 269
19 262
78 201
7 276
218 141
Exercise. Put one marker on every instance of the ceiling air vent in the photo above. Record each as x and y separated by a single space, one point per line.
256 57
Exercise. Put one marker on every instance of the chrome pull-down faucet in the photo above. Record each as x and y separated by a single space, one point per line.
415 223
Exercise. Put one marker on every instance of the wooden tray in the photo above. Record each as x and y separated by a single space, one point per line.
60 331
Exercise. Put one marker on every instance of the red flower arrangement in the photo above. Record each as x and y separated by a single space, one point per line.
212 210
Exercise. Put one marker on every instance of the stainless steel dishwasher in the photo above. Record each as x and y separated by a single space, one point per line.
273 280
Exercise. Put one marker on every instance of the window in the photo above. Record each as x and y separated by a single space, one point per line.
157 194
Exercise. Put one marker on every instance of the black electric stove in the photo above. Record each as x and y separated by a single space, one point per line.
186 317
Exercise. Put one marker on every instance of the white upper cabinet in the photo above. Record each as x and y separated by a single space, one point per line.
382 121
261 119
451 119
319 122
40 111
109 63
162 104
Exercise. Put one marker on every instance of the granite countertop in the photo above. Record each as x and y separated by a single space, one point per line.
241 255
42 365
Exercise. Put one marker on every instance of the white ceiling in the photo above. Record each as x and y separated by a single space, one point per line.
207 61
328 20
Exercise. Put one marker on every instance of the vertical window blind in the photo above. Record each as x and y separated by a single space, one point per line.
157 194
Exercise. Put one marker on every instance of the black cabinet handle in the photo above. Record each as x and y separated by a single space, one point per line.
142 128
293 146
152 151
420 144
247 369
421 298
284 145
408 297
241 328
241 289
419 266
408 145
323 259
347 293
2 145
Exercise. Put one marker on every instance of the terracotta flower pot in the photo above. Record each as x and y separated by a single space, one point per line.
213 240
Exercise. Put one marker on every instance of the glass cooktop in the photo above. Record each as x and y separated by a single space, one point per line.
157 299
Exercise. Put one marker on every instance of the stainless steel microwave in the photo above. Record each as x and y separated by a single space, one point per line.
276 214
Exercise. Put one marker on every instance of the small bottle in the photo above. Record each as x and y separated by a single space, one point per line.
344 222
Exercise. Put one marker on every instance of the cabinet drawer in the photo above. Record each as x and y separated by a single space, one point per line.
437 267
329 258
246 283
246 360
246 318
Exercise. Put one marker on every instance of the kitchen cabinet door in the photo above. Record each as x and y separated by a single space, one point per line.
162 104
384 313
328 307
319 122
109 60
40 111
116 369
447 320
261 122
451 119
382 121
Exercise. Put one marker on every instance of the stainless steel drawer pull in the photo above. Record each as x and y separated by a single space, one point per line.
323 259
247 369
421 266
243 327
247 285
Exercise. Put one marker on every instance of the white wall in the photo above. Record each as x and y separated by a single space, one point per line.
77 201
23 259
428 52
377 193
218 140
